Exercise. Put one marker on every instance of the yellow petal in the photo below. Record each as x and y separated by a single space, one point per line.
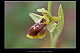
52 19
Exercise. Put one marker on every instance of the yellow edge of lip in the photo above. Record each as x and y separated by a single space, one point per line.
27 35
35 37
31 37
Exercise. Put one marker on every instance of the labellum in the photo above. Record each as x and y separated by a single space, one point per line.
38 30
35 29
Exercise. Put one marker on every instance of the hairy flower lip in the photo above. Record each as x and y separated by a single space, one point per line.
39 29
40 35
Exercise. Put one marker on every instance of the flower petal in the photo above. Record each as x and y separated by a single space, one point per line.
40 35
36 18
51 26
54 25
42 10
52 19
37 31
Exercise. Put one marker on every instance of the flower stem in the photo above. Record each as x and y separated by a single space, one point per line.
52 36
49 6
53 41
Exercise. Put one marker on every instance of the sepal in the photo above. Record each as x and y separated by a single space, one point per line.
36 18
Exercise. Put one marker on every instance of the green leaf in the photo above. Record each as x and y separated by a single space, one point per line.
36 18
60 22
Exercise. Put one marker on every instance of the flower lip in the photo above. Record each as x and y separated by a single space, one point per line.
35 29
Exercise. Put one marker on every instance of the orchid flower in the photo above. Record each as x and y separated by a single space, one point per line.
42 24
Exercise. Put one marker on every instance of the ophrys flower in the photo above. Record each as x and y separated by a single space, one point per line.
47 21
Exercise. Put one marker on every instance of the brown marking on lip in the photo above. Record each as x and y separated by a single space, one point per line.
42 32
34 32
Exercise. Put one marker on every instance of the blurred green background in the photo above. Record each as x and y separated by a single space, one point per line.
18 22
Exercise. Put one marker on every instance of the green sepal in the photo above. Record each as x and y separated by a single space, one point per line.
36 18
42 10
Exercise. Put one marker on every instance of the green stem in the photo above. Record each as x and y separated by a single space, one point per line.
52 36
53 40
49 6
